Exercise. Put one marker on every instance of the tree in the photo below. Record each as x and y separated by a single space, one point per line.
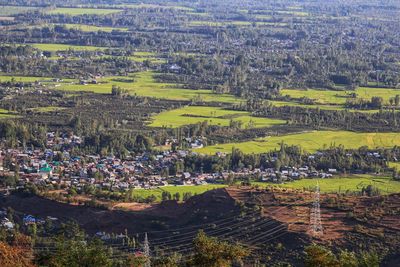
317 256
211 252
19 253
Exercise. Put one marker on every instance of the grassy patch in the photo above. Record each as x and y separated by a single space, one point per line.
5 114
31 79
46 109
13 10
83 11
92 28
65 47
144 84
214 116
353 183
395 165
340 97
310 141
195 190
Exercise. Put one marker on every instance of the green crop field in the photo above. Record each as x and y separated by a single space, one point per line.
64 47
144 84
46 109
5 114
353 183
83 11
310 141
340 97
395 165
195 190
13 10
31 79
92 28
214 116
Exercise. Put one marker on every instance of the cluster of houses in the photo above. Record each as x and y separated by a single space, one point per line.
57 166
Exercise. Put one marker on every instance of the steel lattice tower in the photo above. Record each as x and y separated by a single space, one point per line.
315 215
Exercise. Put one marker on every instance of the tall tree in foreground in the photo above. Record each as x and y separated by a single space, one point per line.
211 252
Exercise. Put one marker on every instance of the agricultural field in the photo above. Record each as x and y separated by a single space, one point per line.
310 142
353 183
194 190
322 107
395 165
65 47
13 10
214 116
31 79
339 97
5 114
144 84
82 11
92 28
46 109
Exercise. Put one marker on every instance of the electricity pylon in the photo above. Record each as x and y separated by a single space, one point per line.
315 215
146 250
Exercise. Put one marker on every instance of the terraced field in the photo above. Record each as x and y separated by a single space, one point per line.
353 183
144 84
310 141
214 116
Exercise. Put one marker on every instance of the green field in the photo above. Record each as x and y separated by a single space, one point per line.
214 116
340 97
195 190
82 11
5 114
31 79
310 142
65 47
144 84
46 109
395 165
13 10
92 28
332 185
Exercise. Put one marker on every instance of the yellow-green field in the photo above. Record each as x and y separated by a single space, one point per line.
340 97
46 109
31 79
144 84
65 47
13 10
92 28
214 116
83 11
395 165
5 114
310 141
353 183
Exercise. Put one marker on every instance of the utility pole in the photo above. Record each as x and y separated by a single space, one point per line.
146 250
315 215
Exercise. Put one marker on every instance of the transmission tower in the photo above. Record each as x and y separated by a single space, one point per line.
146 250
315 215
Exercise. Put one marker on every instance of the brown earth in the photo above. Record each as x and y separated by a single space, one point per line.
259 219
